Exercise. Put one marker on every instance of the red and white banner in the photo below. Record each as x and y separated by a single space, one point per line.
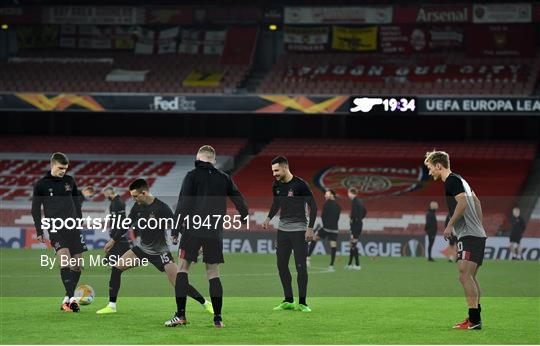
209 42
338 15
104 15
167 40
96 37
152 42
145 41
307 39
433 14
503 13
428 72
412 39
501 40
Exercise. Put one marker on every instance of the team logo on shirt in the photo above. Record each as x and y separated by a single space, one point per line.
290 193
50 192
372 181
68 187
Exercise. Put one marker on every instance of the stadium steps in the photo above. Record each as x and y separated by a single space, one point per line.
531 192
253 80
246 154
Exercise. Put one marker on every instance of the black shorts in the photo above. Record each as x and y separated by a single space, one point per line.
515 238
471 249
356 235
190 246
159 261
120 247
452 240
323 234
72 240
356 229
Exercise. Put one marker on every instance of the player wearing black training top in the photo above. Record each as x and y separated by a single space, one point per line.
58 194
291 194
330 217
203 196
466 221
117 210
153 246
431 227
517 228
358 212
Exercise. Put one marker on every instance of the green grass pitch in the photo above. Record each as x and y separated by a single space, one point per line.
390 301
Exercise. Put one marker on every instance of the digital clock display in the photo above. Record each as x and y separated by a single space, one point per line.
378 104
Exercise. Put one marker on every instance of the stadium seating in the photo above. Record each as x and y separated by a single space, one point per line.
533 226
278 80
100 162
391 177
119 145
393 183
166 72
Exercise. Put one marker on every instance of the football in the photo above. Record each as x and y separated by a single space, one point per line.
84 294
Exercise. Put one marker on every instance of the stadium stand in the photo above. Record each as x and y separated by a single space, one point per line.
533 226
314 74
163 162
119 145
86 71
391 176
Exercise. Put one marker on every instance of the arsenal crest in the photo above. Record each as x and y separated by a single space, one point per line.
372 181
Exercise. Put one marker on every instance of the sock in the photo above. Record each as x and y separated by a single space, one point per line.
289 299
75 276
114 284
112 305
216 294
332 256
356 259
474 316
302 300
67 281
351 255
479 312
181 289
66 300
193 293
311 247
